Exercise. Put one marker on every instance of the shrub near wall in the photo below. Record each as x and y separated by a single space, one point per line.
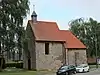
91 63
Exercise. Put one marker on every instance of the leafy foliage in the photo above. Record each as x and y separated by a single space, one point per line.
12 13
88 32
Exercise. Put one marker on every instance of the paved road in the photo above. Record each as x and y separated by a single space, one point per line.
92 72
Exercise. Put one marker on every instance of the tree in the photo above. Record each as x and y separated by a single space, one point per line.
12 13
88 32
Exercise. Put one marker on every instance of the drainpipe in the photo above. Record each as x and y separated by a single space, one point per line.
65 55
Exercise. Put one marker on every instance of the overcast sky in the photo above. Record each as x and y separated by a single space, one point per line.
63 11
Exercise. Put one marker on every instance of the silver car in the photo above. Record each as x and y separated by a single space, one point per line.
82 68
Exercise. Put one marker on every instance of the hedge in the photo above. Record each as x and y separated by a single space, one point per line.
91 63
20 64
17 65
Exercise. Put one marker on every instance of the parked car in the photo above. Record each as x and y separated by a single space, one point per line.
82 68
66 70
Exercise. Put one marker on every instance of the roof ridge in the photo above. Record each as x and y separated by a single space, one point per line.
66 30
45 21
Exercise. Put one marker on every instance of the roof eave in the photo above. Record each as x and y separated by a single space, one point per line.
77 48
40 40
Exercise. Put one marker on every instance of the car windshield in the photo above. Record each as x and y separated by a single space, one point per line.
82 65
64 67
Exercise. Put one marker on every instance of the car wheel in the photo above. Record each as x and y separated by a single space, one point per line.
83 71
66 73
57 74
74 72
88 70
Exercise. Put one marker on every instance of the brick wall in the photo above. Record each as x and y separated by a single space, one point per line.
53 60
81 58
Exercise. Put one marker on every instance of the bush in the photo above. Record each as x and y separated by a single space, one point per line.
91 63
17 65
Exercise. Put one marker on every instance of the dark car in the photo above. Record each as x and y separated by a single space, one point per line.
66 70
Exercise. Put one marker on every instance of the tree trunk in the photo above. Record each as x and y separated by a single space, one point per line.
20 54
1 58
0 47
13 55
1 64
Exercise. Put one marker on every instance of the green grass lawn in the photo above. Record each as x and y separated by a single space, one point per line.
25 73
15 71
19 73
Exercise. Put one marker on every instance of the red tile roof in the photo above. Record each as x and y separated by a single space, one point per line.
49 31
46 31
71 40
